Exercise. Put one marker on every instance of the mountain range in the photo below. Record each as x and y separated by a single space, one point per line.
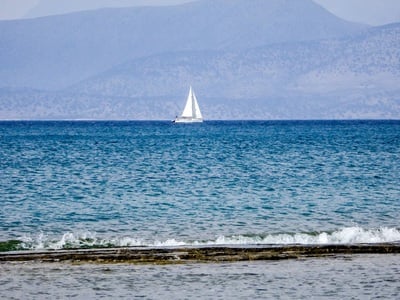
59 7
247 59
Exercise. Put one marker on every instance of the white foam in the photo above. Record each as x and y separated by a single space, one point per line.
348 235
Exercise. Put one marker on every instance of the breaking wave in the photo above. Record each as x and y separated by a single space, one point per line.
349 235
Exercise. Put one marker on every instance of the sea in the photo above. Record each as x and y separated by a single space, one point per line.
96 184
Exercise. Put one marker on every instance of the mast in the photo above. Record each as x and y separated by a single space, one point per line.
193 99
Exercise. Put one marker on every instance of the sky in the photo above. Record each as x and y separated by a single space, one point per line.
373 12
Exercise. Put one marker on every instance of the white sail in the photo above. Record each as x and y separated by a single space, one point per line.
191 113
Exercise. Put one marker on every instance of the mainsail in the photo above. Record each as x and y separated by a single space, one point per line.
191 113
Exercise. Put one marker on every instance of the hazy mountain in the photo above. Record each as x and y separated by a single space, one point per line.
247 59
353 77
51 7
54 52
368 59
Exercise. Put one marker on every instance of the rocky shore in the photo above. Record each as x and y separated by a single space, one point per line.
174 255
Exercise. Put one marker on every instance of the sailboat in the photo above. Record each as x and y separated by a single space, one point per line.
191 113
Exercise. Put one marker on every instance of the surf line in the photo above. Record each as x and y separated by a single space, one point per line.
171 255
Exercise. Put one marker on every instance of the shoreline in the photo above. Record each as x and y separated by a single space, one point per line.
200 254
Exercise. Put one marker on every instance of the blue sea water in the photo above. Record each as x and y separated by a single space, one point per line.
92 184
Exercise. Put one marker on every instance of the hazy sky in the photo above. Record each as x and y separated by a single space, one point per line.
374 12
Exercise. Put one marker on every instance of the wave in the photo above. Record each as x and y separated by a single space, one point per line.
69 240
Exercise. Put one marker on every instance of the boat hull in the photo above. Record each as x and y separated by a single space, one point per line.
187 120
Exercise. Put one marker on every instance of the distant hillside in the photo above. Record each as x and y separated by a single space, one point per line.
366 61
247 59
353 77
51 7
54 52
